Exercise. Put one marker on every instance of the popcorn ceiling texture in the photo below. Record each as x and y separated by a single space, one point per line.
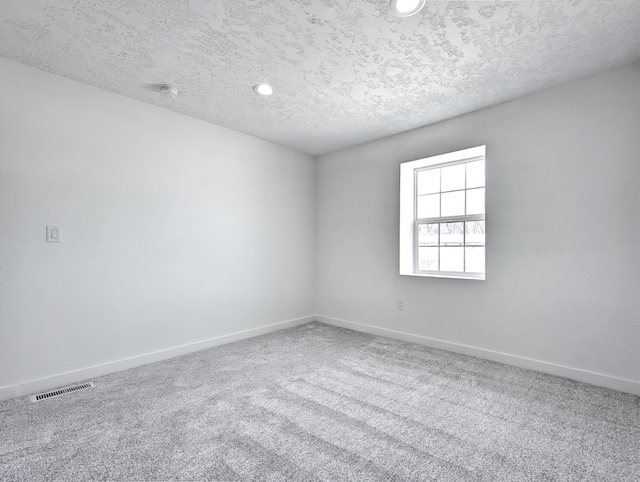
344 71
316 403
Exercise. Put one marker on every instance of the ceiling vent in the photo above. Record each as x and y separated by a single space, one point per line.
60 391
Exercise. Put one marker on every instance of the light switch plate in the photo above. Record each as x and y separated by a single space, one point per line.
54 234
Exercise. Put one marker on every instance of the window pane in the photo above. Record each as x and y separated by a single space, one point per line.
452 177
428 234
474 232
428 259
429 206
429 181
475 174
475 201
452 259
453 203
451 234
474 262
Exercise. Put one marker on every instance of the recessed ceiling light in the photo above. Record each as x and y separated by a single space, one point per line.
406 8
263 89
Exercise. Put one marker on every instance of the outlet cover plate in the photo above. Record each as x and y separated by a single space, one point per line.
54 234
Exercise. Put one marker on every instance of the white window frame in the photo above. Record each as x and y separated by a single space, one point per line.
408 211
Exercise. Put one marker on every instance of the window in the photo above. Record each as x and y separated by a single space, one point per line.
442 215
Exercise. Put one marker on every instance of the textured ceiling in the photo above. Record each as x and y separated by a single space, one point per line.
344 71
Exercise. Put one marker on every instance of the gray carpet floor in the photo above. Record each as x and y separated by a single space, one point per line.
317 402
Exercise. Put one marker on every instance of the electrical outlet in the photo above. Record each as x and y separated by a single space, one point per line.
400 304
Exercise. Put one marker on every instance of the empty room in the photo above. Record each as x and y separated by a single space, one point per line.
320 240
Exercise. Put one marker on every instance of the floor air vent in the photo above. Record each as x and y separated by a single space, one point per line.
60 391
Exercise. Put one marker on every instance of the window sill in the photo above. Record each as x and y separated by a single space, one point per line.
477 277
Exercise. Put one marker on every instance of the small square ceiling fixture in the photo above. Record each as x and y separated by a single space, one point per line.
168 91
406 8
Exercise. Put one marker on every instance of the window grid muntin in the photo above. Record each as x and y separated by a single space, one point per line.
463 246
444 219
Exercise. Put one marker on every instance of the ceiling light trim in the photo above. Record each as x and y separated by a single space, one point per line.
263 89
406 8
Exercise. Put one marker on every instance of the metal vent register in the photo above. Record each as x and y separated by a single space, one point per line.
60 391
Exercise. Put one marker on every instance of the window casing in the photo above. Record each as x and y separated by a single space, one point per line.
442 215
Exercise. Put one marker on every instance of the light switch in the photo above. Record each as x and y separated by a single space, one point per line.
54 234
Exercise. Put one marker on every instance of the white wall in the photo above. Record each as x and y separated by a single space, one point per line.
175 231
563 246
178 234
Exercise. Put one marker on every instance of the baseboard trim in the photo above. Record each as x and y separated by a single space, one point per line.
598 379
47 383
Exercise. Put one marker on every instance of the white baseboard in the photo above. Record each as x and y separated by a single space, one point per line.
607 381
47 383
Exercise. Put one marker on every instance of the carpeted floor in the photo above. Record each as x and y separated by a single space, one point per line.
323 403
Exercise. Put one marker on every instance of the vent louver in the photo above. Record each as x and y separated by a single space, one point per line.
60 391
